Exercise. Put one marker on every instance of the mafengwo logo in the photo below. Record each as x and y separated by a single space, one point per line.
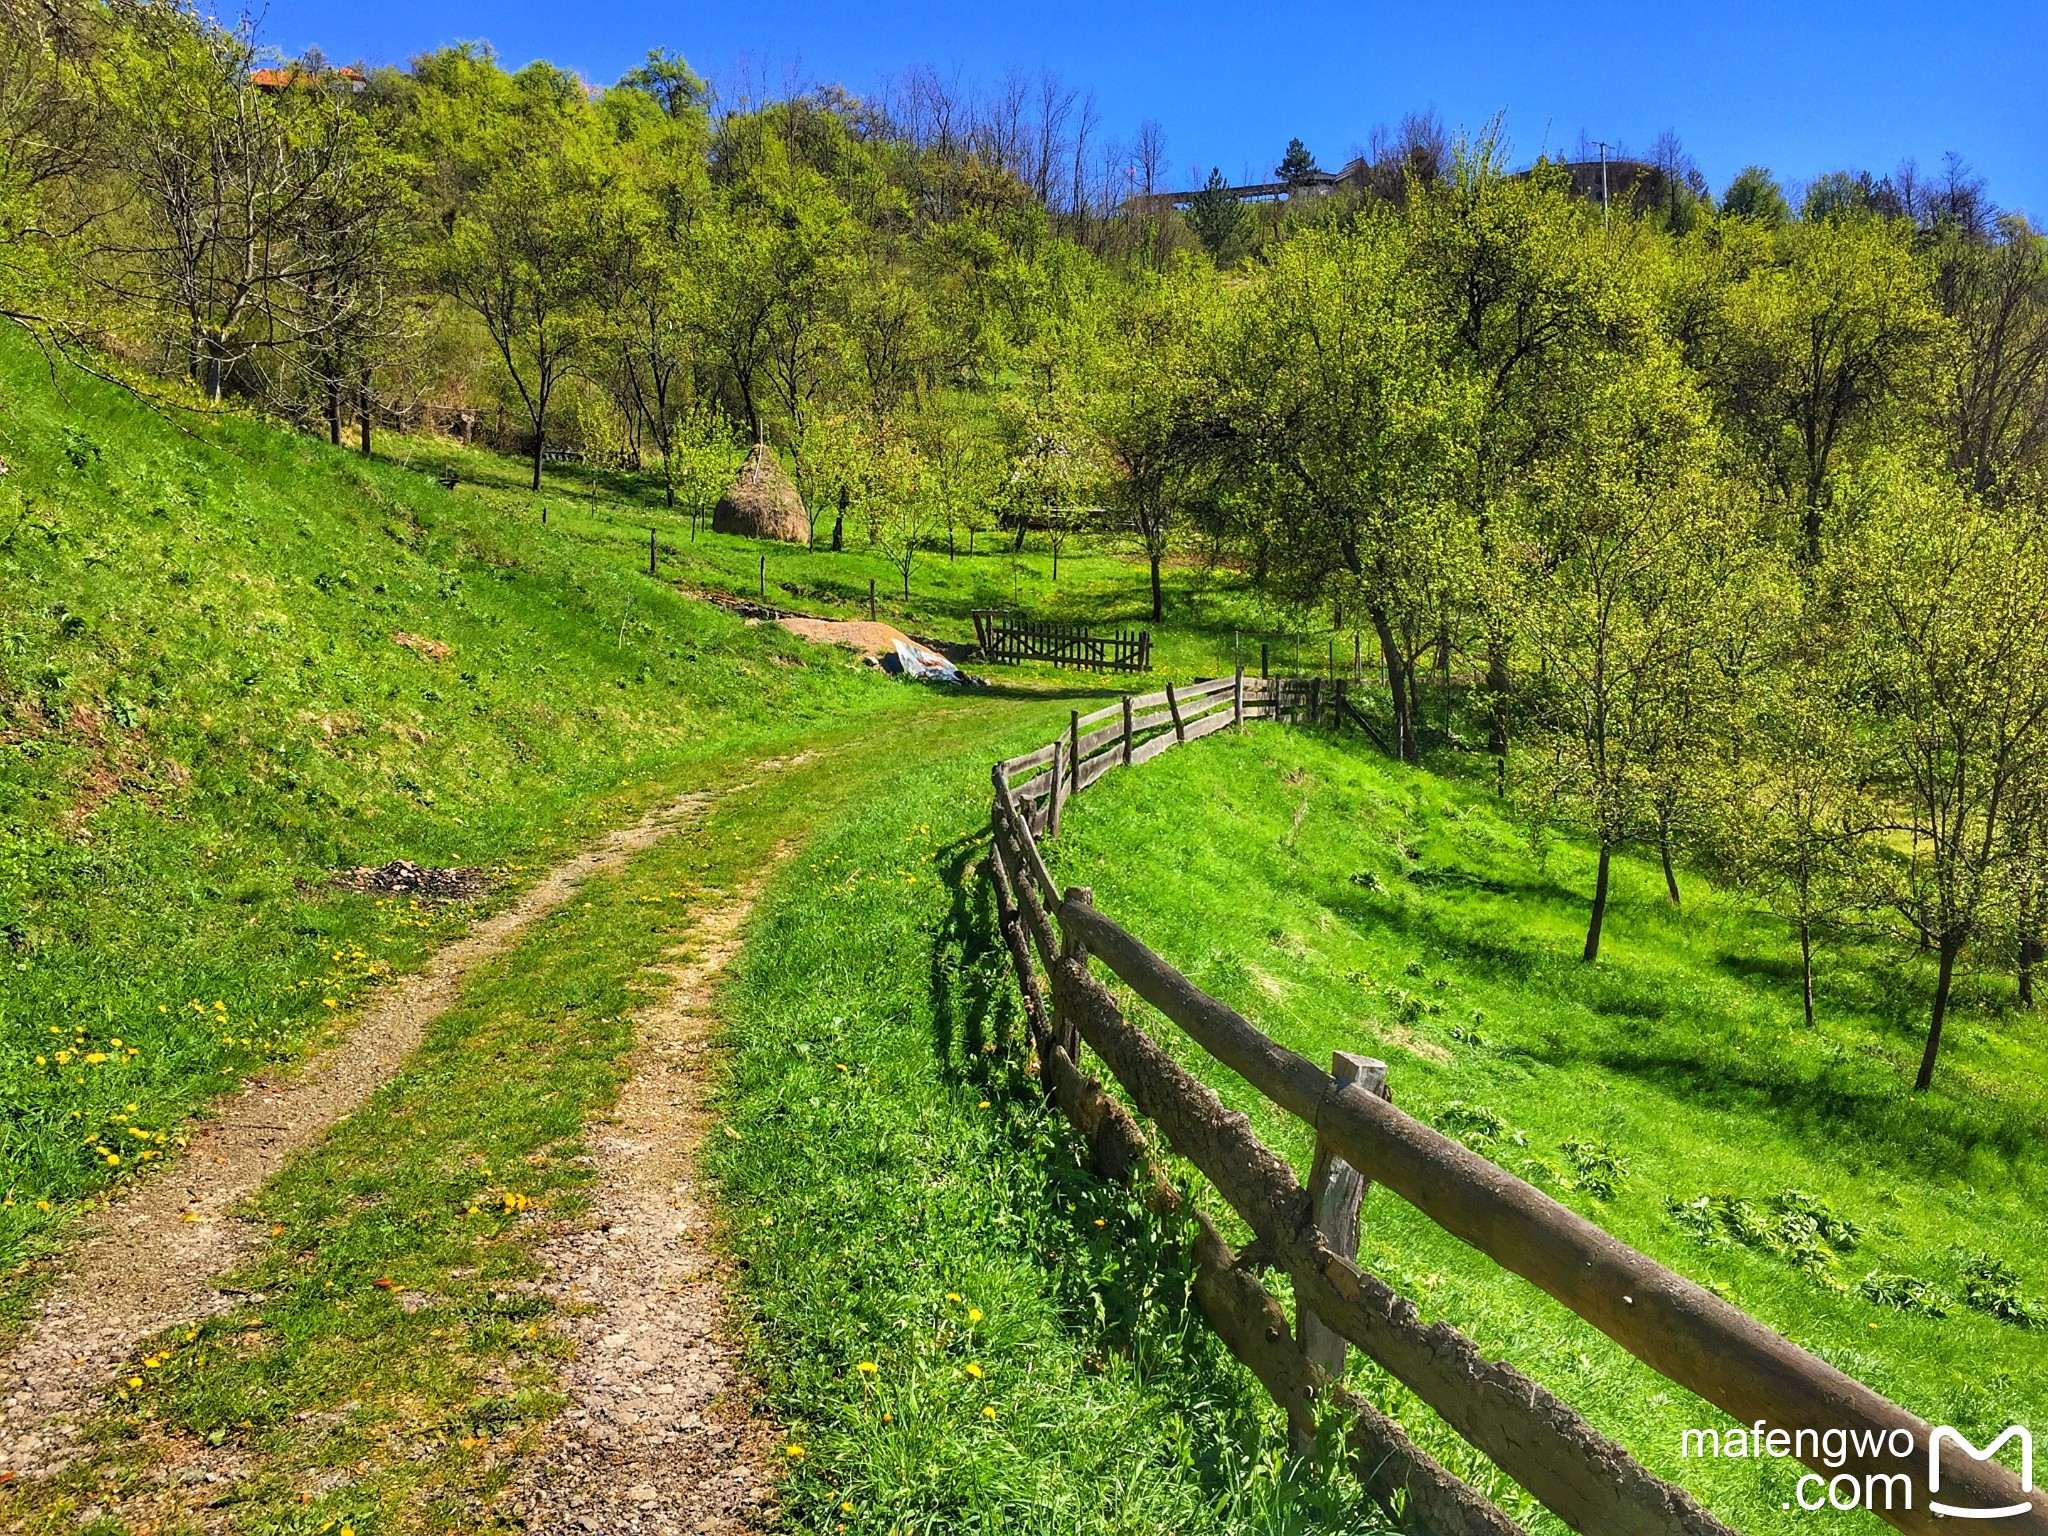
1968 1512
1853 1473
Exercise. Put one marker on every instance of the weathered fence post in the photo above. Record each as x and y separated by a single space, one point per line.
1052 821
871 599
1180 732
650 551
1263 659
1127 730
1335 1191
1237 699
1074 749
764 578
1315 701
1065 1030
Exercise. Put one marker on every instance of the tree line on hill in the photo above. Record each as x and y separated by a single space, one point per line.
1720 522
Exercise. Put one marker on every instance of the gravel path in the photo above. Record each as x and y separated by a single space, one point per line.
658 1436
149 1261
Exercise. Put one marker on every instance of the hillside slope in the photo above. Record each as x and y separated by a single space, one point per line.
1672 1092
233 660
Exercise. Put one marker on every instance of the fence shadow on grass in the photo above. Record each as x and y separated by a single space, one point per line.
1120 1278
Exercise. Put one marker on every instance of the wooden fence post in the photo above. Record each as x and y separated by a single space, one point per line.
764 578
1237 699
1263 667
1315 701
1074 748
1180 732
1052 821
650 551
871 599
1335 1191
1127 730
1066 1031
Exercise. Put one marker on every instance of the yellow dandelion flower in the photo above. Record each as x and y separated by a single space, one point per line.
134 1381
982 1105
953 1297
988 1413
793 1451
974 1370
974 1314
328 1002
867 1368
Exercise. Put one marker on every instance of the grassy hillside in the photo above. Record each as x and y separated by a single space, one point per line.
1100 581
232 660
1347 904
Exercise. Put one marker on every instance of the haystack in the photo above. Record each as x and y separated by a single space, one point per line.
762 503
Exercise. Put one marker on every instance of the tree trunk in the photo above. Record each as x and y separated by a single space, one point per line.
1599 908
1158 594
1806 968
1497 699
1664 853
1397 686
363 409
2031 952
1951 945
539 441
334 409
1018 547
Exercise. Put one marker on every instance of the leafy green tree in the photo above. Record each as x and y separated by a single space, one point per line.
1796 828
1951 605
1990 366
1620 589
1754 195
1144 406
1334 380
519 257
1523 302
1819 353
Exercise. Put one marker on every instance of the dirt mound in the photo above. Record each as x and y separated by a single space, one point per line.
402 877
762 503
868 639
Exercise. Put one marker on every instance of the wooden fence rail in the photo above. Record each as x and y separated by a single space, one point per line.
1054 937
1010 637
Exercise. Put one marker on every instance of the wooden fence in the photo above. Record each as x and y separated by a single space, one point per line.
1006 637
1309 1231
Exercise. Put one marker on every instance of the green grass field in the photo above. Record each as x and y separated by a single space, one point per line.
1346 904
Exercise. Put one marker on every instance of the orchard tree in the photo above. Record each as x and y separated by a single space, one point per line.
1952 607
1333 380
521 255
1619 597
1820 352
1145 408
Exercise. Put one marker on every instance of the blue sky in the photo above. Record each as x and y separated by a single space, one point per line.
1802 88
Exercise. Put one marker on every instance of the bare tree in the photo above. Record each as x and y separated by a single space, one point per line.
1148 153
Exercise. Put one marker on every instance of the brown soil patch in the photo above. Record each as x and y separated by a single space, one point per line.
433 650
148 1262
659 1435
